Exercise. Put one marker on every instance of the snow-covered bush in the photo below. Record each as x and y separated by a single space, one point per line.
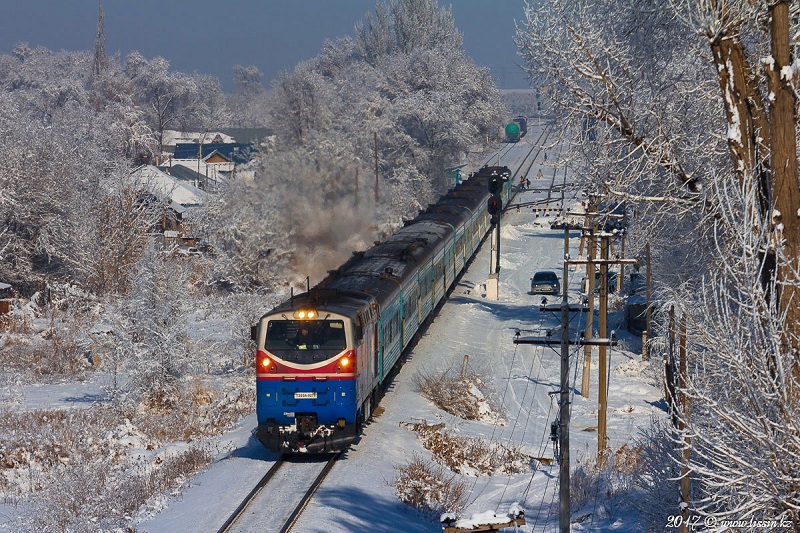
461 393
471 455
430 488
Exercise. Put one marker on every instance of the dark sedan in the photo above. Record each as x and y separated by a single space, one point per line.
545 282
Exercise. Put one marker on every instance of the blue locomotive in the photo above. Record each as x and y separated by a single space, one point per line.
323 355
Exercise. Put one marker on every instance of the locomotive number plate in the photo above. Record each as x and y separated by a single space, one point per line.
305 395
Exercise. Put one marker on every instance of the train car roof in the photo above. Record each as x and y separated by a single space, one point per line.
385 267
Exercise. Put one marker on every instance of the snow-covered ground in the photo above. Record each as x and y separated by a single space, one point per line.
358 494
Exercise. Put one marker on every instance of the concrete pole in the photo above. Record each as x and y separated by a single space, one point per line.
563 472
591 249
602 404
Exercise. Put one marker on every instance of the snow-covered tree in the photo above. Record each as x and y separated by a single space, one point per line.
701 134
403 86
248 102
154 330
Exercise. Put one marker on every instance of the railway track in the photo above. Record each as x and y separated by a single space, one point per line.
287 481
270 505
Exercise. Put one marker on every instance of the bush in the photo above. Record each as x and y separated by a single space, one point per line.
459 392
429 488
470 455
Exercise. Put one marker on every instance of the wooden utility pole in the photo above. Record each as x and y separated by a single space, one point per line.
621 275
682 428
591 249
669 370
602 403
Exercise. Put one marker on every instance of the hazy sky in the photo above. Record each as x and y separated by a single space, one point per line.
212 36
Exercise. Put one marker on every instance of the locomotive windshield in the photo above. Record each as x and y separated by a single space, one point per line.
305 335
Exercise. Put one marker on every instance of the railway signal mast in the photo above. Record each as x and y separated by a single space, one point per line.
498 177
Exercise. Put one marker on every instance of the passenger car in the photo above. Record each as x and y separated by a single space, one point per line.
545 282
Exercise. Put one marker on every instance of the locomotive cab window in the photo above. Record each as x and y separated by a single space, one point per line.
305 335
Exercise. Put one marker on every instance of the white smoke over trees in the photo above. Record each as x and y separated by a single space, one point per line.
403 86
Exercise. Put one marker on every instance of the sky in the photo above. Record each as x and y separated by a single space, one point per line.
210 37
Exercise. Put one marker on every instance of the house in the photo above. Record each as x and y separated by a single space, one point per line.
173 137
177 196
5 298
205 174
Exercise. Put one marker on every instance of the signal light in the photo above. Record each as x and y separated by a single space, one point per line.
494 185
494 205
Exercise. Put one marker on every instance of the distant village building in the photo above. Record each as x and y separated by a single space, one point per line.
5 299
236 145
177 196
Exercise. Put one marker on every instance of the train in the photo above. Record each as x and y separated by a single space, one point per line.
516 129
323 356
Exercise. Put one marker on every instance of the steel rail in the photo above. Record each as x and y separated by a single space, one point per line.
242 506
290 522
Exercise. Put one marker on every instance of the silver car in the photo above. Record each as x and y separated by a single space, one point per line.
545 282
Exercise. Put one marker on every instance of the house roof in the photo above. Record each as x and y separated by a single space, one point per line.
179 193
172 137
182 173
248 135
217 152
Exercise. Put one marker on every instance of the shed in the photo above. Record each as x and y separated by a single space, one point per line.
5 298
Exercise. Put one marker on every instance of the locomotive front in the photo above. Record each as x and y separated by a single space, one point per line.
306 380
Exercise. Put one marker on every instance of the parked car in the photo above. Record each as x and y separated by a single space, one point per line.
612 282
545 282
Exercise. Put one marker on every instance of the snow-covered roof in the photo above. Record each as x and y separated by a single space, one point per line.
217 152
172 137
180 193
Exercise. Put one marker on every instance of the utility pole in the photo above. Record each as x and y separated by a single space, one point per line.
602 374
590 270
562 428
682 428
563 420
603 341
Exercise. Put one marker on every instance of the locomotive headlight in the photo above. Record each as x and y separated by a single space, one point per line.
345 362
265 362
301 314
311 314
304 314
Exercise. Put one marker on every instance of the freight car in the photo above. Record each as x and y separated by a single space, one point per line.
323 355
512 132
